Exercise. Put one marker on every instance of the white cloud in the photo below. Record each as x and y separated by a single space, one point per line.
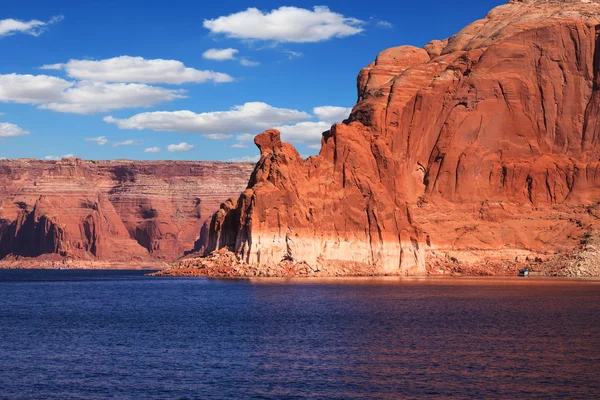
303 132
129 142
255 116
84 97
332 113
245 137
3 158
33 27
127 69
100 140
1 114
218 136
152 150
384 24
220 54
183 146
245 159
53 67
249 63
11 130
286 24
239 146
314 146
293 54
57 158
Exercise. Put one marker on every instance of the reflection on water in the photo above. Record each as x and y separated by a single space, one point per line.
119 334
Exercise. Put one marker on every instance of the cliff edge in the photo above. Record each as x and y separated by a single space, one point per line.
478 153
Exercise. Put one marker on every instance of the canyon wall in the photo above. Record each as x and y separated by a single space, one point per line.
478 150
114 211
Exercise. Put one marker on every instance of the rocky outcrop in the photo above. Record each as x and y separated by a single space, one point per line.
110 211
481 149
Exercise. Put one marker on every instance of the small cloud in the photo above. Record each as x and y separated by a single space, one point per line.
249 63
34 27
245 159
100 140
245 137
314 146
218 136
127 143
239 146
56 158
220 54
293 54
1 114
152 150
181 147
332 113
11 130
53 67
384 24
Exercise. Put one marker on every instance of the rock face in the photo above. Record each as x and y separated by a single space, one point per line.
481 149
110 210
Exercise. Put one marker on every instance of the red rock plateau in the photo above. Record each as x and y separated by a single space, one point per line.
475 154
106 213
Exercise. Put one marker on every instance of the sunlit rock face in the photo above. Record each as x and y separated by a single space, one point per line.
478 150
111 210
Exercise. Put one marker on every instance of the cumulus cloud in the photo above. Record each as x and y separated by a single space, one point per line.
332 113
303 132
100 140
314 146
245 159
82 97
286 24
33 27
11 130
152 150
220 54
239 146
127 69
249 117
183 146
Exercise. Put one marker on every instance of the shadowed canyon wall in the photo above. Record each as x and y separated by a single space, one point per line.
479 149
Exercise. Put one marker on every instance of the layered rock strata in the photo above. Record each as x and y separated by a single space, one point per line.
478 150
110 211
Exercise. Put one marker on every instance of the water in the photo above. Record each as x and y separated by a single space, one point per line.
118 334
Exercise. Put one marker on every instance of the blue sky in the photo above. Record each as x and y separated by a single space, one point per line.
129 78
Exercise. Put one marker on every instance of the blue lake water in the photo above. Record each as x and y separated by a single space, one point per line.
118 334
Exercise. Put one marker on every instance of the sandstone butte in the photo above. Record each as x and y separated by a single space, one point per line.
99 214
475 154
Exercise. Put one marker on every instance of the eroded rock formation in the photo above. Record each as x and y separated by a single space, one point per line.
481 149
110 210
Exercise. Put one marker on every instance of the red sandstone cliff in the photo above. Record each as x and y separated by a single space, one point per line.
479 150
110 211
